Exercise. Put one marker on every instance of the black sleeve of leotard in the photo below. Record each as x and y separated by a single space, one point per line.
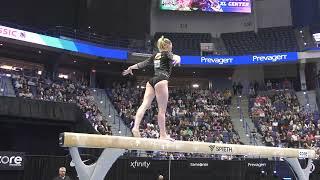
146 62
168 55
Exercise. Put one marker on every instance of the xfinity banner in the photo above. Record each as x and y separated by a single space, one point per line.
11 160
140 164
240 60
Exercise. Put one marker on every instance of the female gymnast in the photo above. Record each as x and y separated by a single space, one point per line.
157 86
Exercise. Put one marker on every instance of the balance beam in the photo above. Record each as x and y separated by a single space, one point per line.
115 146
147 144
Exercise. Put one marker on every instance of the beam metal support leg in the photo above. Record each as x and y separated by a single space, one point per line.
302 174
99 169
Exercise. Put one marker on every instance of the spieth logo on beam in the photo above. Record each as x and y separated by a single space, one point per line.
220 149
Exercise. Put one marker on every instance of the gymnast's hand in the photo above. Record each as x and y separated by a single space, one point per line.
176 60
127 71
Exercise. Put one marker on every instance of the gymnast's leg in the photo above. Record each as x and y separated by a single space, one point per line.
147 100
162 95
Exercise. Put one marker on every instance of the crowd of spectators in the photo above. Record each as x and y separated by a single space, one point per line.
34 86
283 122
192 114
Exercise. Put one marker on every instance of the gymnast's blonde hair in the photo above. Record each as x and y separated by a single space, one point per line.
163 43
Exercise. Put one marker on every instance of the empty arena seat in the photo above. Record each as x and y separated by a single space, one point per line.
314 28
185 43
267 40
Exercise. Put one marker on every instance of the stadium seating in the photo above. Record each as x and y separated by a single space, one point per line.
267 40
315 28
34 86
193 115
283 122
185 43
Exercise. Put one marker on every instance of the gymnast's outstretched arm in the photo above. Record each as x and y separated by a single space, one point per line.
138 65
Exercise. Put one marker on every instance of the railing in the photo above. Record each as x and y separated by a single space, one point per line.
111 112
89 36
135 45
3 86
74 34
245 125
309 110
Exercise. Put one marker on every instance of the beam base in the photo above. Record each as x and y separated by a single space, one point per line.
109 156
302 174
98 170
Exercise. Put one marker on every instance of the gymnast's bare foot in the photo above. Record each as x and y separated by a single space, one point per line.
136 133
166 137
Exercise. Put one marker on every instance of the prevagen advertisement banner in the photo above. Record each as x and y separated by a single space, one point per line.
70 45
241 6
239 60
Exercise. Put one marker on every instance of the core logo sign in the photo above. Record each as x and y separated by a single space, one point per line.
11 161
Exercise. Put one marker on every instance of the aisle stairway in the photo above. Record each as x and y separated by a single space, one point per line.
309 97
102 100
6 87
244 127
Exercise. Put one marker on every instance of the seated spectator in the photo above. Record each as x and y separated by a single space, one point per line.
269 85
25 93
62 91
282 122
